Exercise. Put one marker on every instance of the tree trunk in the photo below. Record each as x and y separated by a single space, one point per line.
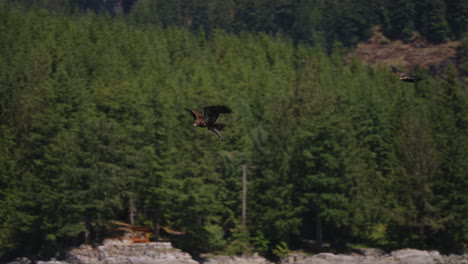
318 231
132 211
422 239
156 223
244 197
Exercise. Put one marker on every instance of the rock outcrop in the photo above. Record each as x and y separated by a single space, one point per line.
117 252
255 259
403 256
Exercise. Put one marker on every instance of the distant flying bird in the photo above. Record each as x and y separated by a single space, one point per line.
404 77
208 119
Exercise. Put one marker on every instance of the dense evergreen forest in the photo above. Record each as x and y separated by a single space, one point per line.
94 126
319 22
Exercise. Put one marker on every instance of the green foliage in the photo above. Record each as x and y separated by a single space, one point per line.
281 249
309 21
238 244
432 20
94 128
399 19
456 16
259 242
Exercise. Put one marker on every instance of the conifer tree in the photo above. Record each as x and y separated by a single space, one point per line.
398 19
432 22
450 125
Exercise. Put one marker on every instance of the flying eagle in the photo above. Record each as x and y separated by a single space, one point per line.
404 77
208 119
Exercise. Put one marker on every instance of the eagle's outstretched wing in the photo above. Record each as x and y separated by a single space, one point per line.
400 73
195 114
414 79
211 113
404 77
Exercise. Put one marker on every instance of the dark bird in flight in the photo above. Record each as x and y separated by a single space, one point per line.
404 77
208 119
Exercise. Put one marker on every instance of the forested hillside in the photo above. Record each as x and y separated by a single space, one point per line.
94 128
311 21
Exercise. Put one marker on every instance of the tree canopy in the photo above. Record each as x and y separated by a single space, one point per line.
94 128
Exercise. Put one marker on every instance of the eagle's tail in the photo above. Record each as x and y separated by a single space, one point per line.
216 128
217 132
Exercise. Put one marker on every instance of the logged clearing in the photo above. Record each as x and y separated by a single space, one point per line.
380 50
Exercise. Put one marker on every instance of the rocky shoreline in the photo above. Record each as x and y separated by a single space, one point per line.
121 252
117 252
373 256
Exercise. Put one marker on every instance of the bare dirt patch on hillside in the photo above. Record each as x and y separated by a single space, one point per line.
379 50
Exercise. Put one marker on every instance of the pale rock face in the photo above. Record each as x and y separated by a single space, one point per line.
414 256
402 256
115 252
255 259
123 252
